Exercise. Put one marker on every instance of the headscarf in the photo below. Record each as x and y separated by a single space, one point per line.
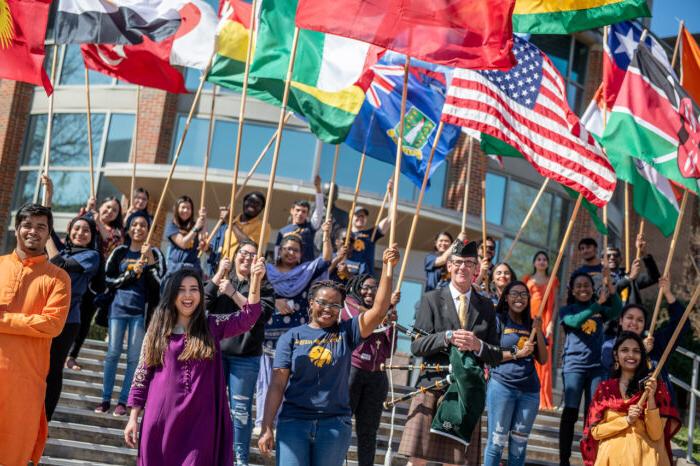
94 236
608 396
293 282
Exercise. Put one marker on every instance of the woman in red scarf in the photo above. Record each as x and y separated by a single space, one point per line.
618 432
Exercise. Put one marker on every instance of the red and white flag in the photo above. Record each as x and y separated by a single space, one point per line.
526 107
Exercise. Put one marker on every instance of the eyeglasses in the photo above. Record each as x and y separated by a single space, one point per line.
460 263
325 305
613 255
522 294
368 288
246 254
291 250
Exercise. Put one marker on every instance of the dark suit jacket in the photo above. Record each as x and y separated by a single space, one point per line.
437 314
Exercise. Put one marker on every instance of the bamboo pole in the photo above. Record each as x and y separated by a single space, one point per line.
239 138
419 203
467 176
331 193
355 194
397 164
557 262
526 219
672 341
178 151
49 122
677 45
207 153
379 214
641 233
89 133
483 229
276 153
627 227
669 259
134 146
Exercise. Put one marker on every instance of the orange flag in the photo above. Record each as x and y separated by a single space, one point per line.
690 64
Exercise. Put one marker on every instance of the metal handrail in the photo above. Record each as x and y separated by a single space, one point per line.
694 395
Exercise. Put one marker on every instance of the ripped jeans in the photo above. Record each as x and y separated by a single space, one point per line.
511 414
241 374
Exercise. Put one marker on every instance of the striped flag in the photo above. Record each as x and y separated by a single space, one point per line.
526 107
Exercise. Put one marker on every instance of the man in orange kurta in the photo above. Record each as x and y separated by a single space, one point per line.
34 301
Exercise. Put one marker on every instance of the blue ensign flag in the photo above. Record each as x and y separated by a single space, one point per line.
376 128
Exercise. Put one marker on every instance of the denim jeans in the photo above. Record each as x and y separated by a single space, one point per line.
241 376
117 329
313 442
511 414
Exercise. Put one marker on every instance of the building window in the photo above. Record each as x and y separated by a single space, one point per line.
507 202
69 163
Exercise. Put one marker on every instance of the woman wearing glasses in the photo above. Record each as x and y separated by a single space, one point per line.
311 371
225 294
512 396
291 279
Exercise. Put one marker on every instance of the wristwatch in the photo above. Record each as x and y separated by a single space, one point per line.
514 352
448 336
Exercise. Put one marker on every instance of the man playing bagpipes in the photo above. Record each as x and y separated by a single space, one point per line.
452 318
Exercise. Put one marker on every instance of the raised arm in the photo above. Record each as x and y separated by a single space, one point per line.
327 252
319 207
370 319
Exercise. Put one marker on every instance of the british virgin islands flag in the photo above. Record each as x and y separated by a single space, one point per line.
376 128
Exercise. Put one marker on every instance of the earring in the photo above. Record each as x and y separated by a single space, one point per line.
617 365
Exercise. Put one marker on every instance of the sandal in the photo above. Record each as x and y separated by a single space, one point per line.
72 365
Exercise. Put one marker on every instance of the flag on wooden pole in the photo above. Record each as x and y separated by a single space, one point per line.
690 64
527 108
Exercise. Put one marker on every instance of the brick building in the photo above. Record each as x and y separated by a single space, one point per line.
510 189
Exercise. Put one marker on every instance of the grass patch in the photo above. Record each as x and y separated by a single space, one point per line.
681 439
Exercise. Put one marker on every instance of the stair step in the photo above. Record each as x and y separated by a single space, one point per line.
87 451
49 461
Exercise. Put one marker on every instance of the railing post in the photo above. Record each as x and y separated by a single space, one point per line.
693 407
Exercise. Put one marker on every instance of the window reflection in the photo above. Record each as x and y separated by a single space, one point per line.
520 198
69 146
495 197
121 131
25 187
34 144
71 189
73 69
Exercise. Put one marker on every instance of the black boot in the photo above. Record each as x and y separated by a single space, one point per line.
569 416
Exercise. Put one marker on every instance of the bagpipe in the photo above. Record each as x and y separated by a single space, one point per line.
459 409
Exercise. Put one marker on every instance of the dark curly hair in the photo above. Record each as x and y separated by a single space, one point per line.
570 291
502 306
642 369
354 286
333 285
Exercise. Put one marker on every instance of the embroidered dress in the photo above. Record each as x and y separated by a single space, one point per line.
186 419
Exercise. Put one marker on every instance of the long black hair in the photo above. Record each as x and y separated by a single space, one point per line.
642 370
183 224
354 286
502 306
570 291
442 233
118 222
534 258
93 244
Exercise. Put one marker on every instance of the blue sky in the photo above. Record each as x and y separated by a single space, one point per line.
665 12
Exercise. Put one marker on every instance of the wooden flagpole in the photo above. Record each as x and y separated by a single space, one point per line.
526 219
207 153
355 194
134 146
379 214
557 262
89 133
331 193
239 139
465 202
627 227
49 122
483 229
276 153
672 341
178 150
397 164
669 259
419 203
641 233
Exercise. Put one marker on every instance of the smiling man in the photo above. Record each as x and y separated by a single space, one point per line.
301 227
34 301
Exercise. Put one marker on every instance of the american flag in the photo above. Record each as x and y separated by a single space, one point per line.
526 107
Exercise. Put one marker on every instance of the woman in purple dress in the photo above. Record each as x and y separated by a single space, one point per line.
180 380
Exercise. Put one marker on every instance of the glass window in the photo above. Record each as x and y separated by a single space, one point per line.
71 189
106 189
25 188
520 198
559 208
192 76
195 144
34 143
495 197
521 259
73 69
121 131
68 145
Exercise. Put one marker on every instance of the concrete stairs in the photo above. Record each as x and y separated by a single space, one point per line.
78 436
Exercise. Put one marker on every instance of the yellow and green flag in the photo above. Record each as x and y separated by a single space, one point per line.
567 16
325 88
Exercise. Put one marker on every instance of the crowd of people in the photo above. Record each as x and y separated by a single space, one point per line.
304 333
